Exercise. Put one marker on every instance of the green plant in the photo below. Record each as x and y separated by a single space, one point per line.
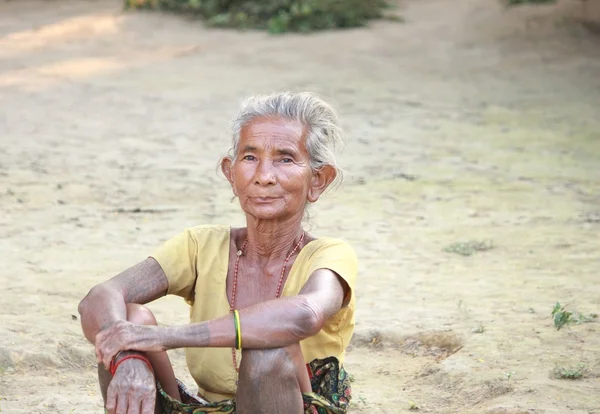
562 317
468 248
517 2
581 318
572 373
412 406
276 16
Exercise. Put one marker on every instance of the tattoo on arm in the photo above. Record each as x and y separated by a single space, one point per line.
192 335
143 282
107 302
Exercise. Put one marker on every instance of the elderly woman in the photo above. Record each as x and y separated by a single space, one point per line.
272 307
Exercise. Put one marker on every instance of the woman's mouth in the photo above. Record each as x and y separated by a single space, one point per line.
263 199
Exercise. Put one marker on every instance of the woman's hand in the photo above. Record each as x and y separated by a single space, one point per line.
132 390
125 336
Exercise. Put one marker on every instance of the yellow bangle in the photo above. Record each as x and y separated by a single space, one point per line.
238 329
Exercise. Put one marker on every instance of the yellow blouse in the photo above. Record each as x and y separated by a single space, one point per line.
196 262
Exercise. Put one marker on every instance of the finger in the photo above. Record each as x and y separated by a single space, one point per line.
107 357
148 404
133 405
111 400
106 364
97 348
122 404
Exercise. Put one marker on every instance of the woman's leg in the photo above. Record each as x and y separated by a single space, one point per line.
272 381
141 315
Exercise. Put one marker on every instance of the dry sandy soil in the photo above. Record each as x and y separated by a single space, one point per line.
468 121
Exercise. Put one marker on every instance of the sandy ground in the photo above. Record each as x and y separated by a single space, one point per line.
466 122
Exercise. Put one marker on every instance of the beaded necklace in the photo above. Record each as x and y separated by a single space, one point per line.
234 288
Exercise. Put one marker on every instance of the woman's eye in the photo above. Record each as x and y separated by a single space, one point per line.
287 160
249 158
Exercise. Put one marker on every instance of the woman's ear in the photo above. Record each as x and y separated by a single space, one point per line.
321 179
227 169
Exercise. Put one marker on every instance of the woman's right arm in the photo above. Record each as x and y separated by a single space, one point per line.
107 302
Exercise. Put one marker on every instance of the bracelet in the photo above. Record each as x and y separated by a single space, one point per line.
114 365
238 329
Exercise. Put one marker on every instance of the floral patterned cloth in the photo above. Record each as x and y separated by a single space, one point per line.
331 394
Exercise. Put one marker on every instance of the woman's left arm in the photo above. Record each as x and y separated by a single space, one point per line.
275 323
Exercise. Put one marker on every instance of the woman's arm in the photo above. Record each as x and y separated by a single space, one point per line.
272 324
106 303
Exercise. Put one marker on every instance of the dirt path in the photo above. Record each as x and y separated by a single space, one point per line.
467 122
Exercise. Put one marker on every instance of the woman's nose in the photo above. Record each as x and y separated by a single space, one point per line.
265 174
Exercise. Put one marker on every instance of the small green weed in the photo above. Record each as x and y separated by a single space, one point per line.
561 317
581 318
412 406
571 373
358 401
468 248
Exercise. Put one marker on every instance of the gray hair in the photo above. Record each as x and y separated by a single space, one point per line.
320 119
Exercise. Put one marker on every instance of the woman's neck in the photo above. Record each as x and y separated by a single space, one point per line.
269 241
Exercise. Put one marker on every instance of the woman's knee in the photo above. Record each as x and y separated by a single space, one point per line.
140 315
259 363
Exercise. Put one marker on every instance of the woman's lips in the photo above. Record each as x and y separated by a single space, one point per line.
263 199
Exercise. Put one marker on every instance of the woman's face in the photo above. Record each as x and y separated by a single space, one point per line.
272 175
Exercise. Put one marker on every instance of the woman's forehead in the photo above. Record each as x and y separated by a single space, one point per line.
264 132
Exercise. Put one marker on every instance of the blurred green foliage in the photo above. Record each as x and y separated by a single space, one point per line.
276 16
515 2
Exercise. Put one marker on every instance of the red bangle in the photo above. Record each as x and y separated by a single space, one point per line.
114 365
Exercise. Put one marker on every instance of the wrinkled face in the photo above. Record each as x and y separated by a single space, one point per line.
272 175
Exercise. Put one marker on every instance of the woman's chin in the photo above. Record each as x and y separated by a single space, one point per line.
263 213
